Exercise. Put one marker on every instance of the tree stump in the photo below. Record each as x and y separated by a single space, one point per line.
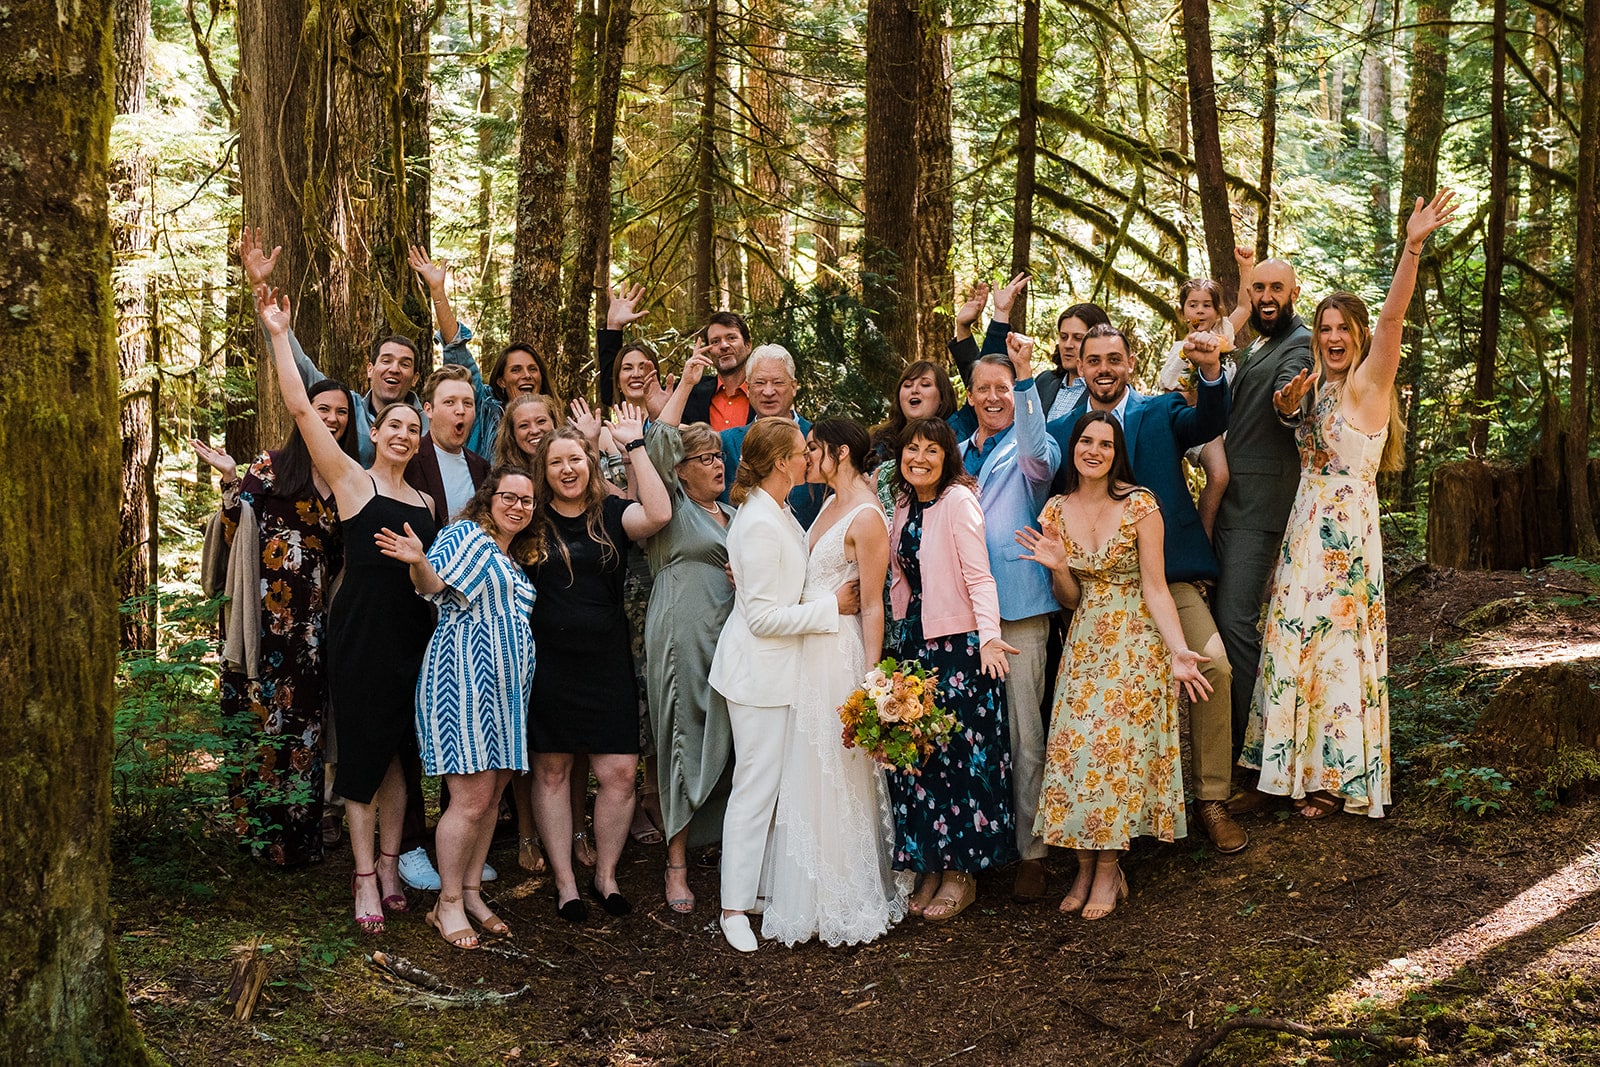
1546 720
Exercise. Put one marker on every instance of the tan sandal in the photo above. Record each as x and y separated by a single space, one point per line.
1320 805
1092 912
529 856
457 938
491 923
966 893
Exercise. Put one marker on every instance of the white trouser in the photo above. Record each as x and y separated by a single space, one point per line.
759 737
1024 691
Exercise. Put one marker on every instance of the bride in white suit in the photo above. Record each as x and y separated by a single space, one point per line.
757 663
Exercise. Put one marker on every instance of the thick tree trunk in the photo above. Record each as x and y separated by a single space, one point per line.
487 321
769 223
830 211
1586 287
1027 156
1374 101
130 239
274 168
935 183
705 170
1215 211
593 214
1494 244
541 184
890 185
1419 170
1269 127
61 1001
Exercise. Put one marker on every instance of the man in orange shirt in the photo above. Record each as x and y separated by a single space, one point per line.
723 401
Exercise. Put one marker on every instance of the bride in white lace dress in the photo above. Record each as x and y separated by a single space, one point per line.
828 872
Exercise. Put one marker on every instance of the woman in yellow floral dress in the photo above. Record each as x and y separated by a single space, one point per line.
1319 720
1112 768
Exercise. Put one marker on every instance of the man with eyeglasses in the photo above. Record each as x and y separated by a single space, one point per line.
770 379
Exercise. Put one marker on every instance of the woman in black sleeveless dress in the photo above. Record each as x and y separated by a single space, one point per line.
378 629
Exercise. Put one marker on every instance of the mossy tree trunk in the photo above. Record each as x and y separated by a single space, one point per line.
1027 155
890 180
61 1001
1215 211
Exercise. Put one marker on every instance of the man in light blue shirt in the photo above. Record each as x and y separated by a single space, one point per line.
1014 460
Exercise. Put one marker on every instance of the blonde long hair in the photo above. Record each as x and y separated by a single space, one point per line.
1354 311
769 439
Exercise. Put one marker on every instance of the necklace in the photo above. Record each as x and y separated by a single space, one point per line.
1096 517
711 509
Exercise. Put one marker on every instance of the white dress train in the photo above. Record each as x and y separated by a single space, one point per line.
828 872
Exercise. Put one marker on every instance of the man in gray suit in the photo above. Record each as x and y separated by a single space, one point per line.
1264 473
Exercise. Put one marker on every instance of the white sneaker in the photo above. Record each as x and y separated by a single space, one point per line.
416 870
489 873
736 928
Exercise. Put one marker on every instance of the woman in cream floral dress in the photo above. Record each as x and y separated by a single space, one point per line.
1319 720
1112 769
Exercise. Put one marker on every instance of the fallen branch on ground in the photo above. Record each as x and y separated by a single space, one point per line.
1381 1042
428 988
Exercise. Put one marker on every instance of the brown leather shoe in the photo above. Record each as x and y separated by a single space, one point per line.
1029 884
1227 835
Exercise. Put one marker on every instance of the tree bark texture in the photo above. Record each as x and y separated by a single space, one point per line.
702 298
130 238
768 254
935 183
61 1000
541 184
1027 156
1494 243
274 169
1215 212
593 214
1586 286
890 185
1269 127
1419 174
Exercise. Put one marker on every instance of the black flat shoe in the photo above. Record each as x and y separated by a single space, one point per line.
613 903
574 910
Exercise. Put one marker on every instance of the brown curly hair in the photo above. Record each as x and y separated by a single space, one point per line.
594 495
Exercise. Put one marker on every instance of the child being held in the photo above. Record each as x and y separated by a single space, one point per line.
1200 305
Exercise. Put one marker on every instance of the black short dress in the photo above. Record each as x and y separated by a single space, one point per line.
378 629
585 698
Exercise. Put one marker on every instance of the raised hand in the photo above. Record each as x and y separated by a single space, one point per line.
1019 349
257 265
1203 349
406 548
1245 257
624 307
431 272
1186 672
1287 400
970 310
587 422
1045 547
1425 218
993 657
223 463
1006 296
628 423
698 366
274 310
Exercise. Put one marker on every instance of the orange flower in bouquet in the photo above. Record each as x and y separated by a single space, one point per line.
894 717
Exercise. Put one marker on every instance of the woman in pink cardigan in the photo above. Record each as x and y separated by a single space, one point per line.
954 818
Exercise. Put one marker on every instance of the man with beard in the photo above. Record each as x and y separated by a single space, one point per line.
1265 472
726 400
1158 430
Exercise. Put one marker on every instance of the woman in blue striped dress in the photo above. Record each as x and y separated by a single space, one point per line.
472 694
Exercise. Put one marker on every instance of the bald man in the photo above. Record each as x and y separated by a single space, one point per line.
1264 469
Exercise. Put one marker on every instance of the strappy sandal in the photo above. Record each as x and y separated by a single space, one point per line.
1092 912
529 856
491 923
457 938
368 924
681 905
966 893
394 901
1320 805
645 829
916 904
583 849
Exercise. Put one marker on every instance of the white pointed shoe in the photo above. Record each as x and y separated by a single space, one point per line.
736 928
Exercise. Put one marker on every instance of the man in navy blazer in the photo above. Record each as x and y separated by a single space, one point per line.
770 377
1158 430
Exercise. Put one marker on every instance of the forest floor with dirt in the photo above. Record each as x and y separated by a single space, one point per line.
1466 925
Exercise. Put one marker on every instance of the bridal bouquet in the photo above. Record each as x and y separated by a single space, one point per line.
893 717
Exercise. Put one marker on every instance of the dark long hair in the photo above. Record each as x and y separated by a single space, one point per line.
1121 471
837 433
886 435
291 464
499 368
936 432
543 525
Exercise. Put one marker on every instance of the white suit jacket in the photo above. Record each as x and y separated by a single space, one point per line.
757 661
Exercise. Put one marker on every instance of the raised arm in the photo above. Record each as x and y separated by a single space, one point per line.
1046 548
1037 452
621 311
698 367
350 484
432 274
1377 372
1239 317
1158 598
653 509
257 269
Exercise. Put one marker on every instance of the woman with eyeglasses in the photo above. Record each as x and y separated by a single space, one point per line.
690 603
472 694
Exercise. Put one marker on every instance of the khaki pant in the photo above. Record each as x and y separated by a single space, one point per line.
1024 690
1210 722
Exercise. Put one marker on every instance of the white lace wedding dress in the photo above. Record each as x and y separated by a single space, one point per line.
828 872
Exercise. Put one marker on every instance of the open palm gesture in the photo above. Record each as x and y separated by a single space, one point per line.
1045 547
430 271
1425 218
